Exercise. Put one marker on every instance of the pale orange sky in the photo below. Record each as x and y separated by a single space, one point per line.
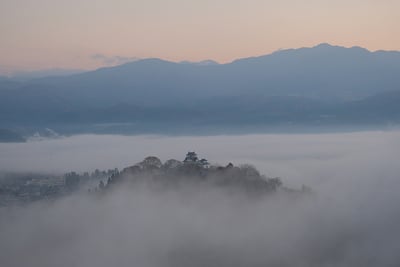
41 34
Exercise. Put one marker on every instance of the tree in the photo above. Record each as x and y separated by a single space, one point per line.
101 185
274 183
172 163
72 180
151 163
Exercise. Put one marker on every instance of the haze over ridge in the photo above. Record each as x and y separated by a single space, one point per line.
323 84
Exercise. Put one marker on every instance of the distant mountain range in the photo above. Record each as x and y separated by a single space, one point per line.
7 136
29 75
320 85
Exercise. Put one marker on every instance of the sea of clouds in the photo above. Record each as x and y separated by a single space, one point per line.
351 219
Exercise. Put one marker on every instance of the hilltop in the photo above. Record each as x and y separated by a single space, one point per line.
193 171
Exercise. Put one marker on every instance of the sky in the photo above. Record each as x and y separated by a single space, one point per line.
86 34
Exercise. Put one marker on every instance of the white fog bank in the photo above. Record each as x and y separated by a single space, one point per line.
312 159
352 219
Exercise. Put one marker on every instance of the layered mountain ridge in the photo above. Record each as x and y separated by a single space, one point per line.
325 83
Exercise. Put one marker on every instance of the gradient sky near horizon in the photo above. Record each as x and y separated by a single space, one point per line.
85 34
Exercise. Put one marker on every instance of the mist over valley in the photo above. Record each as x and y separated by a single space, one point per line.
296 163
349 218
196 133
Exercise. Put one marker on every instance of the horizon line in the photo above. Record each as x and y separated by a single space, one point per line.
24 73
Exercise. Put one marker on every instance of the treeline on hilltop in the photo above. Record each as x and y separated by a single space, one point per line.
193 171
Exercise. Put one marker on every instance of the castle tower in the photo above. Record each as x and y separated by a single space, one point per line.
191 157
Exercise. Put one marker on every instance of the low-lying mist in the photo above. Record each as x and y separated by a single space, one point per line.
351 219
201 228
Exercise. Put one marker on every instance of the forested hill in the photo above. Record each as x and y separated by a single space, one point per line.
193 172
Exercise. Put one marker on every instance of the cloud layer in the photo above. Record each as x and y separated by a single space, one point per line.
112 60
352 220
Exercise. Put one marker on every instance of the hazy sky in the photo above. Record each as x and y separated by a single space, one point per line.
40 34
